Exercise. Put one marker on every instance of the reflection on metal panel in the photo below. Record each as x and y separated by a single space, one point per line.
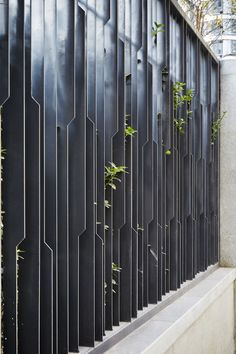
85 84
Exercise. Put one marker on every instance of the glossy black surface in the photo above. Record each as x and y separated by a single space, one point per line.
73 73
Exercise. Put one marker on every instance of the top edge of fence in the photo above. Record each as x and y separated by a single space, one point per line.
190 24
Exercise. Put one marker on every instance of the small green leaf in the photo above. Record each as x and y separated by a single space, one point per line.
116 268
157 28
139 228
216 126
18 254
107 204
111 174
181 99
168 152
130 131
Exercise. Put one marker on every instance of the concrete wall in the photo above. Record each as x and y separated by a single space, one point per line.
201 321
228 164
213 332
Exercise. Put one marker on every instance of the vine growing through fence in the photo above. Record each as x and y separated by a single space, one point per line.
216 126
157 28
182 101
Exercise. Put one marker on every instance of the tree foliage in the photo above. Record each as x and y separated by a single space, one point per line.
208 18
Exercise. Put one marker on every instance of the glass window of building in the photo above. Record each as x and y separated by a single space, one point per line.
230 26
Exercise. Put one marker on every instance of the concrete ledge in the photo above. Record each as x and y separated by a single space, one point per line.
165 328
126 328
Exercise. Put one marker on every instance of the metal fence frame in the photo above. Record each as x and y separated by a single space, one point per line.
72 73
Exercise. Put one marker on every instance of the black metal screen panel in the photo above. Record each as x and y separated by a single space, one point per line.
78 255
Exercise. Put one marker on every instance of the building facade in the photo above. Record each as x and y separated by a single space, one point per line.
219 23
226 43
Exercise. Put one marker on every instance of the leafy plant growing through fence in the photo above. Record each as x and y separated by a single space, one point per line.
181 97
107 204
180 123
18 258
167 151
129 130
139 228
157 28
111 174
18 254
215 127
115 269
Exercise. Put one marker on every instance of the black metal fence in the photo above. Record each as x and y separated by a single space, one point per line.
85 84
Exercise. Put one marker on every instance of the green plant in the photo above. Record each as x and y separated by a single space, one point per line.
18 254
139 228
129 131
18 258
111 173
107 204
181 97
157 28
105 288
215 127
168 152
115 269
180 123
106 227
